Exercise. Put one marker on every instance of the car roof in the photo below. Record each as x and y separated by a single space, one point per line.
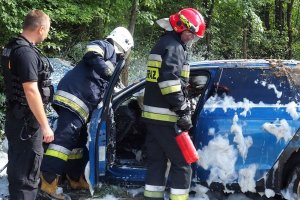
245 63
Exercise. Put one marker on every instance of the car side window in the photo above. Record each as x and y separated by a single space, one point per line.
197 84
268 86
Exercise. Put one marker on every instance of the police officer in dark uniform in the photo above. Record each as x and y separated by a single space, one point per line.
77 95
165 104
28 89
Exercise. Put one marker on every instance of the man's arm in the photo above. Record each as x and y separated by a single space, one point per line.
169 80
35 103
101 57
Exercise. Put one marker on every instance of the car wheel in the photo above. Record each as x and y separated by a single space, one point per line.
294 180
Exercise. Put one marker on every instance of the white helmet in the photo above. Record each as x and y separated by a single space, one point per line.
122 38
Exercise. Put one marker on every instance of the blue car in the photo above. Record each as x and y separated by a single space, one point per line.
245 128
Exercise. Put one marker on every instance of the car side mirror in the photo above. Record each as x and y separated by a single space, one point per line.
219 89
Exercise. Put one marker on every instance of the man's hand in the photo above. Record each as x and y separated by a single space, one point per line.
35 103
48 135
184 122
109 70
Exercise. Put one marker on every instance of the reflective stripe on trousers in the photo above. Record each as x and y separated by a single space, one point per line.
62 153
67 145
179 194
161 146
154 192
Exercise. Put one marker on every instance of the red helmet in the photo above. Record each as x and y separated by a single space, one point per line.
188 19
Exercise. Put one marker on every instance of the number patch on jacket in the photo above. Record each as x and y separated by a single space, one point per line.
152 74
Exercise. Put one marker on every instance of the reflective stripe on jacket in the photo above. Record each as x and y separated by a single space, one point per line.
167 77
72 102
83 87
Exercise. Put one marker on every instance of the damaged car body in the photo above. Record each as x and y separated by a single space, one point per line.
245 127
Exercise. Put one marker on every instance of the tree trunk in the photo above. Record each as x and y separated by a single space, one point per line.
266 16
290 30
245 39
209 13
279 20
133 16
245 46
131 27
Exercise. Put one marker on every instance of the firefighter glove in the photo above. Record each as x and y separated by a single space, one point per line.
184 122
184 110
110 68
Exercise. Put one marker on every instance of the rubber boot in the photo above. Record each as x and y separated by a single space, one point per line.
51 190
79 184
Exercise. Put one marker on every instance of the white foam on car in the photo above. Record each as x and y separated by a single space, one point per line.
211 131
200 192
288 192
220 158
292 110
279 128
243 144
278 93
246 178
269 193
228 102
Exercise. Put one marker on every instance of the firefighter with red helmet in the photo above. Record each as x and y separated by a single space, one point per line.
166 105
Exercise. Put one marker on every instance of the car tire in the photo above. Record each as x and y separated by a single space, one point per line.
294 180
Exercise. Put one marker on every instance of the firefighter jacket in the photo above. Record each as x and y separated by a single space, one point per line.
82 88
14 76
166 81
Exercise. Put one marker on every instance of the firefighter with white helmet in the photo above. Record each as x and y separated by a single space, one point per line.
122 38
78 94
165 105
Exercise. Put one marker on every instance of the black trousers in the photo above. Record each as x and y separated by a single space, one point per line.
161 147
71 134
25 153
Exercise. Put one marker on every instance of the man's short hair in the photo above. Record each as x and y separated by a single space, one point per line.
35 19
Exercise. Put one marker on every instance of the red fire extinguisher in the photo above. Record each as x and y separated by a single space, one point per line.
186 146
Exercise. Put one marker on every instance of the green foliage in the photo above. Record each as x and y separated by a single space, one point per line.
75 21
10 19
76 52
296 50
235 26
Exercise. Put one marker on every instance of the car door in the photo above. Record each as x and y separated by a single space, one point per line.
248 126
99 124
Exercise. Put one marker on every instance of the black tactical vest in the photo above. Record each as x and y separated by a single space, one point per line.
13 87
